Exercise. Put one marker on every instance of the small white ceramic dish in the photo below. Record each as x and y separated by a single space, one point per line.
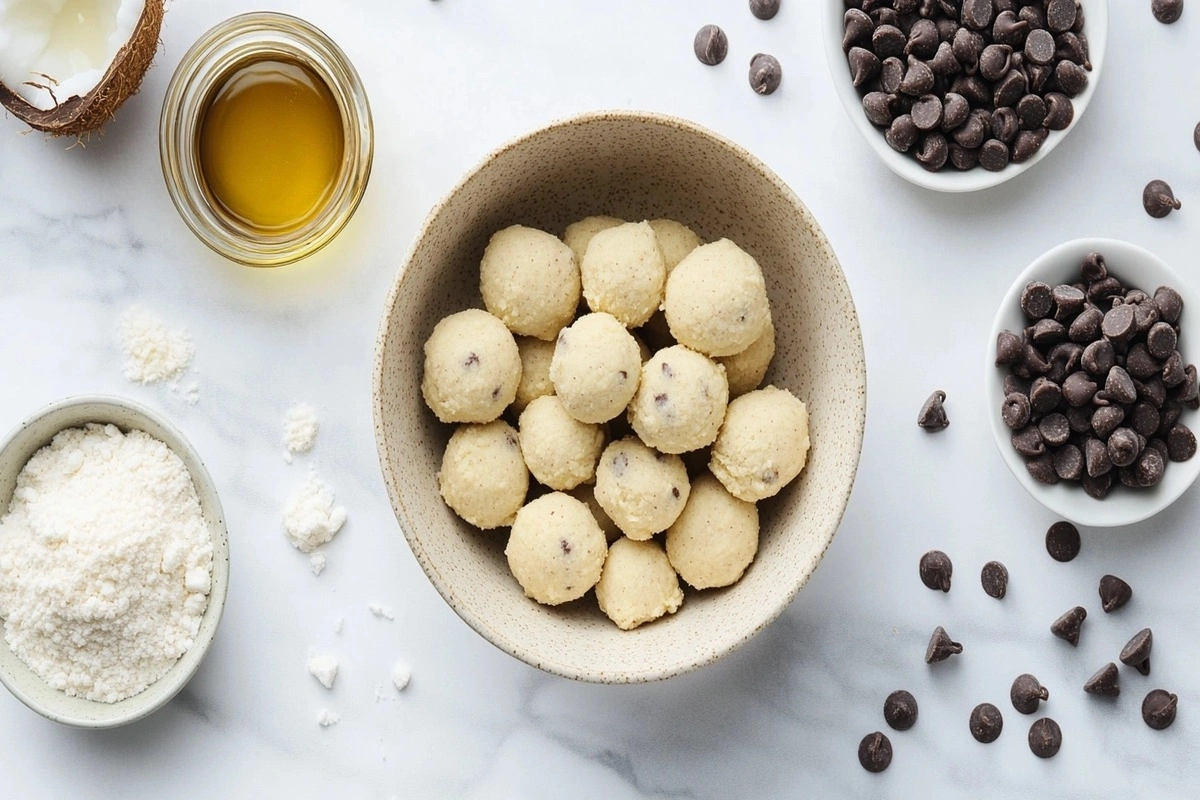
20 445
1135 267
950 179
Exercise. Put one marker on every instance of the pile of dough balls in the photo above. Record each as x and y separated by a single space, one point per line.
612 401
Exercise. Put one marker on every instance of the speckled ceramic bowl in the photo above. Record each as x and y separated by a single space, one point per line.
29 437
636 166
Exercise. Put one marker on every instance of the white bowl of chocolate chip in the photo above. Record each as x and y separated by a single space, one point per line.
1089 391
964 102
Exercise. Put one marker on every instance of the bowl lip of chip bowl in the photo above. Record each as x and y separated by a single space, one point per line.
34 432
949 179
391 479
1135 266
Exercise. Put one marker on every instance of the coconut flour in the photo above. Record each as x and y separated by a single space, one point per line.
153 352
310 518
299 430
105 562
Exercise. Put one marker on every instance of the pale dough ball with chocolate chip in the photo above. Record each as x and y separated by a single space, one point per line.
638 584
530 281
675 240
623 273
715 538
680 401
559 450
642 490
535 371
483 476
716 300
578 235
596 367
556 550
746 370
472 368
763 444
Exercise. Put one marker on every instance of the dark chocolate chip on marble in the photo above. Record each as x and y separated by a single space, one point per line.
1062 541
764 9
900 710
941 646
1106 681
1068 626
933 413
1159 709
1167 11
1045 738
1158 198
936 569
1136 652
1068 462
875 752
994 577
766 73
1181 443
986 723
1027 693
1028 442
1060 111
711 45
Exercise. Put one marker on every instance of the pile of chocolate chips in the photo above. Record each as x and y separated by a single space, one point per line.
969 82
1096 383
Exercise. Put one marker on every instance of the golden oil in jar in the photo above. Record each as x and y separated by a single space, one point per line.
271 144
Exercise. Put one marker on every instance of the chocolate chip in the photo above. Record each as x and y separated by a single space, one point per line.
1159 446
1028 442
1123 447
888 40
902 133
941 646
1037 300
936 569
995 61
1119 386
1005 124
1072 46
1014 384
966 46
1031 112
1187 391
1009 348
764 9
1159 200
875 752
1044 396
766 74
972 133
1054 429
1068 462
986 723
857 28
1114 593
923 39
1035 15
878 107
1060 15
1041 469
891 72
711 45
1009 29
1080 419
1158 709
1071 78
934 150
1062 541
900 710
1181 443
1166 12
1106 419
1144 419
1136 652
1173 371
1098 357
1026 693
1016 410
1140 364
1103 289
943 62
1118 324
1067 626
1028 143
927 112
1169 416
1039 47
1045 737
933 413
1085 328
1096 456
864 65
1078 389
1010 89
1097 486
955 110
1161 340
994 577
1106 681
977 14
1046 332
994 155
918 78
1060 111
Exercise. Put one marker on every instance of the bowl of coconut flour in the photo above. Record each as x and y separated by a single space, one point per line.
114 562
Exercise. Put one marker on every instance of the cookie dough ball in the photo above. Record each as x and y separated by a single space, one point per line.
715 538
746 370
560 450
530 281
556 550
680 401
642 490
638 584
675 240
716 300
579 234
483 476
623 273
596 367
763 444
535 371
472 368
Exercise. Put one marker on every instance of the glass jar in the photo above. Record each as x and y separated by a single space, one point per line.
221 51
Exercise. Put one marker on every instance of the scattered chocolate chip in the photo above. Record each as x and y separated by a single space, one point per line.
1026 693
1158 709
994 578
1181 443
900 710
1106 681
986 723
1114 593
1062 541
936 569
1166 12
933 413
1016 411
941 646
1009 348
764 9
875 752
1067 626
711 45
766 74
1159 200
1136 652
1045 738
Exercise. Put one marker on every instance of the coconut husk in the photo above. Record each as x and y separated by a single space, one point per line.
77 116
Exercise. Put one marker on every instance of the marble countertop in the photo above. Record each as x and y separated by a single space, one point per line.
88 231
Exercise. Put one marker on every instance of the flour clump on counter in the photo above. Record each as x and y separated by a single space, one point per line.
153 352
105 562
401 675
324 668
318 562
299 430
326 718
310 518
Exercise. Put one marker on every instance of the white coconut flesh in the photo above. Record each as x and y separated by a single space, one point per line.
53 50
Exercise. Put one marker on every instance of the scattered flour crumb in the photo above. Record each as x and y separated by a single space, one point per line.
325 718
339 625
324 668
299 430
310 518
382 611
190 393
401 675
152 351
317 560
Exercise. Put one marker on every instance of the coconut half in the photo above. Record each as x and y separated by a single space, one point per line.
66 65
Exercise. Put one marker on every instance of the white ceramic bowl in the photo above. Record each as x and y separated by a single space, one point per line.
1135 267
25 440
950 179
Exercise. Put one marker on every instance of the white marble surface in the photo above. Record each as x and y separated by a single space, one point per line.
84 233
